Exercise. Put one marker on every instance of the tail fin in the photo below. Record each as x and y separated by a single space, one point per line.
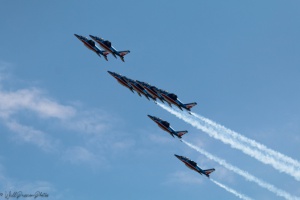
190 105
208 171
181 133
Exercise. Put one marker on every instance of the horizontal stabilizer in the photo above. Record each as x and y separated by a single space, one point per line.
123 53
181 133
208 171
190 105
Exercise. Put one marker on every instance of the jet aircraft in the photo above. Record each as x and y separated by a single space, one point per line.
172 98
164 125
108 47
152 90
92 46
193 165
122 80
139 89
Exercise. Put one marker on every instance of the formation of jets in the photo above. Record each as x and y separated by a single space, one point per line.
90 44
147 90
151 92
105 44
154 93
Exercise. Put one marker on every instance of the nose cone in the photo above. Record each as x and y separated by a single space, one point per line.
111 73
177 156
78 36
151 117
93 37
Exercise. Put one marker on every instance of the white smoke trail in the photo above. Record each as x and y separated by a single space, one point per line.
253 143
246 175
241 196
235 143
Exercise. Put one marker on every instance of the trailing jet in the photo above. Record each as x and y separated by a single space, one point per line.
193 165
139 89
172 99
122 80
92 46
108 47
152 90
164 125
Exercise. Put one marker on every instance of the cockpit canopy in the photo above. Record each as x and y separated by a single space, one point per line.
91 42
193 163
152 88
173 96
107 43
167 124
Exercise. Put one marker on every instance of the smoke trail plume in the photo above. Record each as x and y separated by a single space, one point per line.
234 142
246 175
241 196
253 143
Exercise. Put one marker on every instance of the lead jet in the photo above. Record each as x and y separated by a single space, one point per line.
108 47
122 80
152 90
92 46
193 165
172 98
164 125
139 89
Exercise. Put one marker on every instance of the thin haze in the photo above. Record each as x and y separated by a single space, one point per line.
71 130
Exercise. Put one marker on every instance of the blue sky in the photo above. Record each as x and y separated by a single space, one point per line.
69 129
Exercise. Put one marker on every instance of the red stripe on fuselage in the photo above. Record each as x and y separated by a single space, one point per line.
121 81
105 47
163 127
137 89
89 46
124 84
169 99
190 166
152 93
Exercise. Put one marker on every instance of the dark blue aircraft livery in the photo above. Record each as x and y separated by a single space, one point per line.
122 80
105 44
173 99
90 44
164 125
140 89
193 165
152 90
